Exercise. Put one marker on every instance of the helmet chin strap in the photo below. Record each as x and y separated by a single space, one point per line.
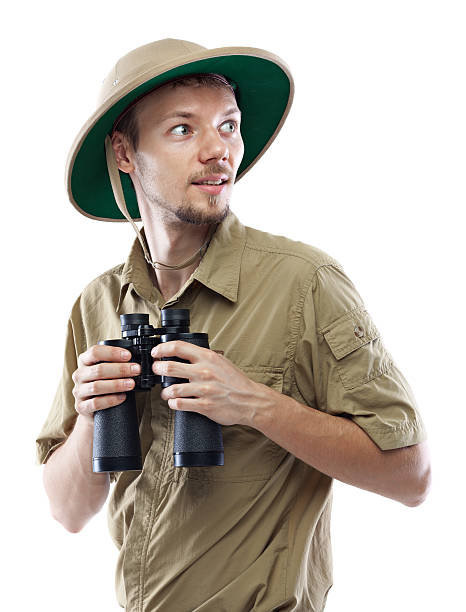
115 181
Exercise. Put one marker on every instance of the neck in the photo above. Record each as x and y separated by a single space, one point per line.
173 242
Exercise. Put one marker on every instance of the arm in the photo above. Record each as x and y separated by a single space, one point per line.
75 492
341 449
331 444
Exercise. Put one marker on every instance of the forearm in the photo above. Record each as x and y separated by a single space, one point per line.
74 491
339 448
333 445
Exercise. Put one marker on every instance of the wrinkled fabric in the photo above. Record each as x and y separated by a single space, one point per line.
253 534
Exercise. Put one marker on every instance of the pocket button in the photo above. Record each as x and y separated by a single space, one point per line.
359 331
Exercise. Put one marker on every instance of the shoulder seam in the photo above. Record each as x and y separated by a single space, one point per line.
295 326
329 264
319 262
308 259
299 318
116 270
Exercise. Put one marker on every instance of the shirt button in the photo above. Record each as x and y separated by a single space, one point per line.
359 331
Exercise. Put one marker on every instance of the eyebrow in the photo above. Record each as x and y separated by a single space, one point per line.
187 115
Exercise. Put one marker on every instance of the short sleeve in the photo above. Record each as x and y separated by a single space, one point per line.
62 415
342 367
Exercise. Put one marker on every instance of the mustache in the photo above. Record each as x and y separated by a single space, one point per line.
209 171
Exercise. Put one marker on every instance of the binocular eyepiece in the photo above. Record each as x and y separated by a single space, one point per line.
173 320
117 446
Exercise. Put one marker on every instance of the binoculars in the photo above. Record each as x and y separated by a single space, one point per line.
117 445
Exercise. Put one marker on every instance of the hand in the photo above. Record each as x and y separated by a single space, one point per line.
102 385
216 388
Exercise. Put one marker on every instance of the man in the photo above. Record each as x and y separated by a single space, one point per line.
305 389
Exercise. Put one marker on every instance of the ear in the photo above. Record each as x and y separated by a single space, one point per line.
123 152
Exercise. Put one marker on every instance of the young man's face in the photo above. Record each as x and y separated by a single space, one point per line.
186 135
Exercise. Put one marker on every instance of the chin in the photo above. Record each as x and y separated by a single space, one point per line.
201 216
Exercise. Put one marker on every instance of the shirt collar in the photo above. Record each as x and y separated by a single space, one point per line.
218 270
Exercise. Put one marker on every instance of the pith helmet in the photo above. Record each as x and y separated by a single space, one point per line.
264 91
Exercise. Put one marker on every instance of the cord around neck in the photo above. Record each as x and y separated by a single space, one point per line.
118 194
159 265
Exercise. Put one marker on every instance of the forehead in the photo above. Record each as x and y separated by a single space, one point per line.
188 98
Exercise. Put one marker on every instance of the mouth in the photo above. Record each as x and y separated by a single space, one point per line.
212 187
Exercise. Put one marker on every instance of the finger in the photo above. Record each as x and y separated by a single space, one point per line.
103 352
103 387
184 350
99 402
186 390
186 404
173 368
100 371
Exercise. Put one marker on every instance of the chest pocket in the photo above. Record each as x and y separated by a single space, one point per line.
356 345
249 455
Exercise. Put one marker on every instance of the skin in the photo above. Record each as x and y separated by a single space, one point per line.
177 217
171 154
334 445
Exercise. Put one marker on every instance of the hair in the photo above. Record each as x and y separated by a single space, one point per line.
127 123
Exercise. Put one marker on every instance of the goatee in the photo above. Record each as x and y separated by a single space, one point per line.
189 214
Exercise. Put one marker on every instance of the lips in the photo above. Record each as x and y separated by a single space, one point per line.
212 177
212 189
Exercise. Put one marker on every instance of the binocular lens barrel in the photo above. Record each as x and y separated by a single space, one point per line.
116 445
197 439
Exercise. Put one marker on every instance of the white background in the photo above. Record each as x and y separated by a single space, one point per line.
370 167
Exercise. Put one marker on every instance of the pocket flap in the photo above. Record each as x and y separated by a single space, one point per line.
272 377
353 330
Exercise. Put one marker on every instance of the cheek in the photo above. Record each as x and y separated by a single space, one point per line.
166 169
238 151
175 160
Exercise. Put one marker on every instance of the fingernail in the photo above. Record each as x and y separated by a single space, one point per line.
125 354
135 368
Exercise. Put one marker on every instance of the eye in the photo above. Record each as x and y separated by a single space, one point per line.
231 124
179 129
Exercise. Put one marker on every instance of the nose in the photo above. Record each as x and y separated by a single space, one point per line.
213 147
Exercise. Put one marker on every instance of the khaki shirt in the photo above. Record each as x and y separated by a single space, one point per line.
253 534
